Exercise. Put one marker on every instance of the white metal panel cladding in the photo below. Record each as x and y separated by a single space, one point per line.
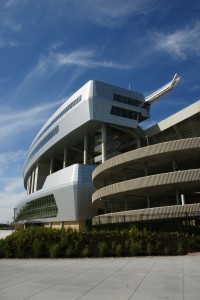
78 119
95 105
70 186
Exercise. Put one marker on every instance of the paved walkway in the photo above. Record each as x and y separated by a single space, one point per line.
101 279
5 233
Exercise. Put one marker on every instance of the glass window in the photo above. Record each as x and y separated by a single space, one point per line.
117 97
126 100
130 115
38 208
124 113
118 111
58 117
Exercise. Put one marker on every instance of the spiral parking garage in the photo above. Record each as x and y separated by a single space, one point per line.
158 182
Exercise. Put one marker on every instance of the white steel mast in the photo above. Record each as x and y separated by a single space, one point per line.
163 90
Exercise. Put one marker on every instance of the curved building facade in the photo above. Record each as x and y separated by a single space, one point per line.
160 181
97 122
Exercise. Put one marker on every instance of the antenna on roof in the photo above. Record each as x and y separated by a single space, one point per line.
163 90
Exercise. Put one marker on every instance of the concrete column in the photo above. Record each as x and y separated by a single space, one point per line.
145 170
182 199
65 158
177 196
111 179
51 165
111 205
125 203
36 178
30 180
33 181
105 207
174 165
148 201
138 141
28 183
124 174
85 152
103 145
147 140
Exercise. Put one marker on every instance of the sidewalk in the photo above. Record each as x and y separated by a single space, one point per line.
101 279
5 233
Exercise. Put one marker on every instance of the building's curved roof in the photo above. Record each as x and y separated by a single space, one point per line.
182 124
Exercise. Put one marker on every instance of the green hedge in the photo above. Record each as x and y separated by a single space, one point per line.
40 242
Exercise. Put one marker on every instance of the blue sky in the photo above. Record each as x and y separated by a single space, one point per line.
50 48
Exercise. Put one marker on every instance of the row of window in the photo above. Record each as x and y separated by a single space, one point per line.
131 101
127 100
62 113
125 113
44 207
49 136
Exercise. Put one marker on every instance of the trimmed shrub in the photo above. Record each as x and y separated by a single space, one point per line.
69 251
113 246
127 244
119 249
134 231
54 251
102 246
76 245
166 250
180 250
135 248
85 252
2 248
36 248
46 242
149 248
193 243
158 247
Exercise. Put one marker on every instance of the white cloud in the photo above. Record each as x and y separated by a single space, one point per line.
11 25
8 22
87 59
11 191
195 88
112 13
10 160
54 46
15 122
3 80
10 3
11 22
49 65
180 44
9 43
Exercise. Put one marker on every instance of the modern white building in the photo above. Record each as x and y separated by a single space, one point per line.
97 122
96 131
